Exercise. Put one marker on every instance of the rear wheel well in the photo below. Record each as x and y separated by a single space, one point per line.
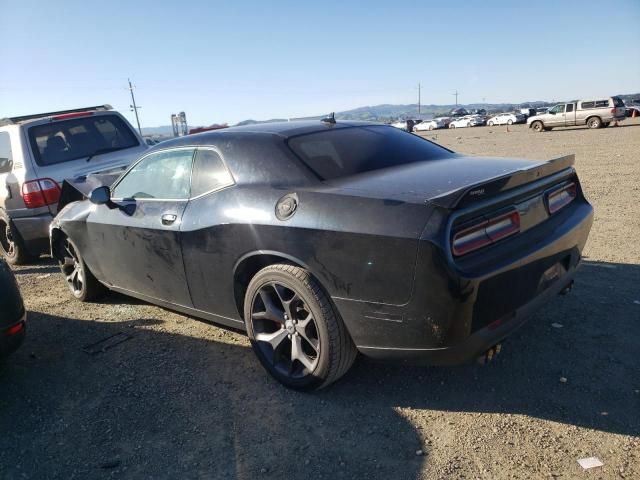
247 269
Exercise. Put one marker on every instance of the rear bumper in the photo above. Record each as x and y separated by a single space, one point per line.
457 312
476 344
10 342
34 232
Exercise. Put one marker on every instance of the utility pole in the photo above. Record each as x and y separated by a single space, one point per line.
419 98
134 107
456 94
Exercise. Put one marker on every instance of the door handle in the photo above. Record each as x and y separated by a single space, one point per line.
168 218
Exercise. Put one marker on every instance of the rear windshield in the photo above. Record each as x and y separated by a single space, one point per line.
348 151
617 102
66 140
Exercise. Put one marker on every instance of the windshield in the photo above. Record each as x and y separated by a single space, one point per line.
71 139
348 151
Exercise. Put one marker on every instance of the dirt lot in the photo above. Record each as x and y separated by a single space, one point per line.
185 399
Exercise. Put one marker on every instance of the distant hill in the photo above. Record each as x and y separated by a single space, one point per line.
390 113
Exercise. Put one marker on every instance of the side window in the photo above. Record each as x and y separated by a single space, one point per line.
209 173
6 157
588 104
602 103
162 175
569 107
557 109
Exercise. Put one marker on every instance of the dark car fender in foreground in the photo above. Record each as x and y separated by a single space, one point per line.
12 312
379 243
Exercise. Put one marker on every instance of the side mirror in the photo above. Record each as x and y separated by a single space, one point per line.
5 165
100 195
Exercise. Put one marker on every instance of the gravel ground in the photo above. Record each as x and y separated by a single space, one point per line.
183 398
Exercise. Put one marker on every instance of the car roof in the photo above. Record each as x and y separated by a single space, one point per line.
281 129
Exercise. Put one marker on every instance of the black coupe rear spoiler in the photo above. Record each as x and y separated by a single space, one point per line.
464 196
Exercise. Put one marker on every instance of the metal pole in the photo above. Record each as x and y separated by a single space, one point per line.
135 108
418 98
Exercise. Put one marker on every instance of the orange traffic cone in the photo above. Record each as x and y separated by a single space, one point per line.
634 114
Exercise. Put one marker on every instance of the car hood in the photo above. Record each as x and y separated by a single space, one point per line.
422 181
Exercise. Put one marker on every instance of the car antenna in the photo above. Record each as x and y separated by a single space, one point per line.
331 118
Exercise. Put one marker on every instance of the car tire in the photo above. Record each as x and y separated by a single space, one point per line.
81 282
12 247
430 127
594 122
490 124
294 329
537 127
509 122
451 125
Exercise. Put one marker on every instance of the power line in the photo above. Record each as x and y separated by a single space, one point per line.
134 107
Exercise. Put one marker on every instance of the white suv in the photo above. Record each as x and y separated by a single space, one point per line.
37 152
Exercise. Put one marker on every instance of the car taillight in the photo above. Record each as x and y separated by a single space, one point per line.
613 110
561 197
17 328
486 232
40 192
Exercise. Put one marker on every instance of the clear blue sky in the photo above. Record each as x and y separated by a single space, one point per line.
229 61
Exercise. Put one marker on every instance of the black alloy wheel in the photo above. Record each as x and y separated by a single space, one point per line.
285 330
294 329
81 282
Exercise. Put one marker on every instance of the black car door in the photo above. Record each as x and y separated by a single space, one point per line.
138 243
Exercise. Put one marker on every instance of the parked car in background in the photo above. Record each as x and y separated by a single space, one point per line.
12 312
401 124
37 152
467 121
592 113
541 110
632 110
458 112
441 256
527 112
429 125
506 119
459 122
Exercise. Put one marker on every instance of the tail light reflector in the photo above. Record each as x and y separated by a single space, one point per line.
561 197
40 193
17 328
486 232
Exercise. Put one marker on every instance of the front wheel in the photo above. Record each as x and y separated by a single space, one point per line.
509 122
81 282
451 125
537 127
490 124
594 122
294 330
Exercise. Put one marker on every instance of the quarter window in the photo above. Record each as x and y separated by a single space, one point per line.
602 103
209 173
162 175
6 157
588 104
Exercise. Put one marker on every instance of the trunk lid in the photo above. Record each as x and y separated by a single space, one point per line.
449 182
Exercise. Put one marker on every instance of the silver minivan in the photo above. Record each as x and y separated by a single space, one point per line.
592 113
37 152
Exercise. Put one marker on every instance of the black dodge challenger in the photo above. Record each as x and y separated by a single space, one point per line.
324 239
